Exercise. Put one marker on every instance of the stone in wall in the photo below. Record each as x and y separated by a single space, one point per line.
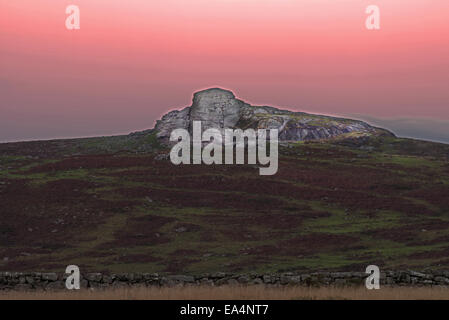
54 281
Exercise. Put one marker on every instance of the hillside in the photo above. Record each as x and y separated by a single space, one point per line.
112 204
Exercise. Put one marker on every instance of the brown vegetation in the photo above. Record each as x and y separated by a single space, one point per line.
330 207
238 293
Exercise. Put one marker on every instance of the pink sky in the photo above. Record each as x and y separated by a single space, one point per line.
133 60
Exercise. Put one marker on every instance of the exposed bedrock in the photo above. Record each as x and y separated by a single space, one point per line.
220 109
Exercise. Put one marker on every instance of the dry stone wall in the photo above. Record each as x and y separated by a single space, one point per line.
54 281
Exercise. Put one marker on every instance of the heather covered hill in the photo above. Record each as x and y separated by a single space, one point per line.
346 195
108 204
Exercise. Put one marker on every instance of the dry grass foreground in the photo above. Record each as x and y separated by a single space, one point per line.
237 293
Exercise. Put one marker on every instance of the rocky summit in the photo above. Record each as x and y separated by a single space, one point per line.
220 109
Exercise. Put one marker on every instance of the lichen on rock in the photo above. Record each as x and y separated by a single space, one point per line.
220 109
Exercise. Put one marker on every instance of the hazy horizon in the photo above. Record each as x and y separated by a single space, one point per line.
428 129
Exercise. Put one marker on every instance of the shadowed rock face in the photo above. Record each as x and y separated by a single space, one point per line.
218 108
